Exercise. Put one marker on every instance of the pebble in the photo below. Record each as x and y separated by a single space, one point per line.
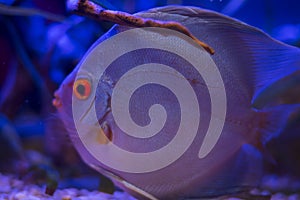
279 196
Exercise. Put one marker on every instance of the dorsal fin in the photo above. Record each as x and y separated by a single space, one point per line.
263 62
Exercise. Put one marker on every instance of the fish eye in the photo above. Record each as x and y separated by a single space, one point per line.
82 89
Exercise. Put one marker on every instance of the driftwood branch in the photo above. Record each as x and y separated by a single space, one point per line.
94 11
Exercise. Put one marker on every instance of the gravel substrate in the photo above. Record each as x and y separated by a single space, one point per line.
14 189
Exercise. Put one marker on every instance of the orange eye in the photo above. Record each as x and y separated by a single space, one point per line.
82 89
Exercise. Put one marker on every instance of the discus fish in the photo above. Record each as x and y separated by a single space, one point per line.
251 65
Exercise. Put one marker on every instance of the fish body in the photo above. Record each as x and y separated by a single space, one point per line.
250 63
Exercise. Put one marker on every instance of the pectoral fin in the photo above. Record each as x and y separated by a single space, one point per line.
283 91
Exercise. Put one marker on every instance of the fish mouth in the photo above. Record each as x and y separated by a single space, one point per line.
56 102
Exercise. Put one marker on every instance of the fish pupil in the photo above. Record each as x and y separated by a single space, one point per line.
81 89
